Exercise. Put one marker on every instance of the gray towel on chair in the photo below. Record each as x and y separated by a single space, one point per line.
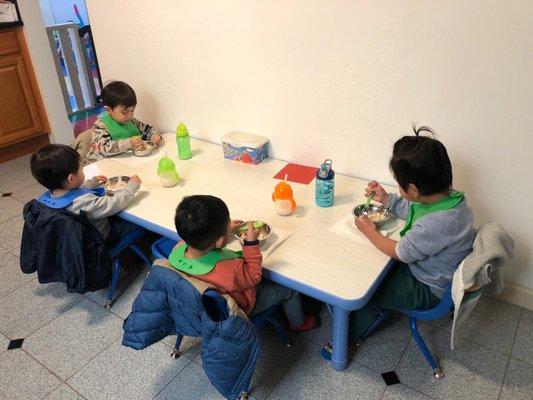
480 270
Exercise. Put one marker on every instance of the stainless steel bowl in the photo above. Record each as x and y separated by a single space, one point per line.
147 148
377 211
114 180
266 228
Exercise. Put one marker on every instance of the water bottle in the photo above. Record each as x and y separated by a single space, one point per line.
325 185
184 142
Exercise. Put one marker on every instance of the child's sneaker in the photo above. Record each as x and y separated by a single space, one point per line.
311 322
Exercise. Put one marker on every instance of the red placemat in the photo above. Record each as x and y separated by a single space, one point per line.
297 173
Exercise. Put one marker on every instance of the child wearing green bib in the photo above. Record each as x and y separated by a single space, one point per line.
115 130
437 236
204 224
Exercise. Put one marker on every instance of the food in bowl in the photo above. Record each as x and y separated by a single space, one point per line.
116 184
144 149
378 214
264 231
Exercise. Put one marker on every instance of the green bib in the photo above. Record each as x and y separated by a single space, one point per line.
119 131
418 210
201 265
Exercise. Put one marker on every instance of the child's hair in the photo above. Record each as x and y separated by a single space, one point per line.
422 161
118 93
201 219
52 164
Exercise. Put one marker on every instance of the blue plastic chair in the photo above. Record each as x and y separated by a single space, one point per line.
161 249
444 307
128 241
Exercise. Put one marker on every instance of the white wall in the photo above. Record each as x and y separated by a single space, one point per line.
344 79
43 64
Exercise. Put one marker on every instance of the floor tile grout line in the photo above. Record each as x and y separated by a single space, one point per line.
179 372
45 367
53 319
92 359
510 353
309 343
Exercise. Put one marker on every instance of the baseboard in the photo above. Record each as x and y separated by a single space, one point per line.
516 294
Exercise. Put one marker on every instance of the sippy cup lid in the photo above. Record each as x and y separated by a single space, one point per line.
283 191
181 130
166 165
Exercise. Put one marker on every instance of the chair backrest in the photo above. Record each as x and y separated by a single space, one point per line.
215 305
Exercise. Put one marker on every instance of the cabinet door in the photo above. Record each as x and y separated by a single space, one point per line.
19 115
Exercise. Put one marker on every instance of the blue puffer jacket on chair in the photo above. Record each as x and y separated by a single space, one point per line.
170 303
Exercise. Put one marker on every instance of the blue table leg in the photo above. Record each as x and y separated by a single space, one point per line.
339 358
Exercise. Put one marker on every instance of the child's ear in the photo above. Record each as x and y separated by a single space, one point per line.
219 242
413 191
107 109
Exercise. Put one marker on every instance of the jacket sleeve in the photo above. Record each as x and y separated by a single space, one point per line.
103 143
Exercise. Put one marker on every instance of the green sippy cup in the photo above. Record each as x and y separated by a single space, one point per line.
167 172
184 142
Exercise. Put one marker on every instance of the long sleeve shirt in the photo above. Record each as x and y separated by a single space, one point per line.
436 243
103 145
98 208
238 277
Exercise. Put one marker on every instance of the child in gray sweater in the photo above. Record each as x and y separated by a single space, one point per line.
58 168
437 236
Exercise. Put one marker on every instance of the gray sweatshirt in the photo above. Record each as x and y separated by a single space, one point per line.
99 208
436 243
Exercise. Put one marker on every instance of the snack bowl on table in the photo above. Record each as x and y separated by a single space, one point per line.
264 232
115 184
377 213
145 149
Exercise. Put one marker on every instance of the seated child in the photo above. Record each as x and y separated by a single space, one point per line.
203 222
437 236
115 130
58 168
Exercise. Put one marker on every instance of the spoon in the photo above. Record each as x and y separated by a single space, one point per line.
368 200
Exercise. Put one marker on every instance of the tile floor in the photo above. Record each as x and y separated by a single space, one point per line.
72 345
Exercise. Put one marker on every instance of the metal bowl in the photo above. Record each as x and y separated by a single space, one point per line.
113 185
265 229
377 213
146 149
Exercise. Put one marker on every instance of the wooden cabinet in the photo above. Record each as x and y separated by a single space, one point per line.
22 116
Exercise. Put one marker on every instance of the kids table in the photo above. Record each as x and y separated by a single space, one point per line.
332 268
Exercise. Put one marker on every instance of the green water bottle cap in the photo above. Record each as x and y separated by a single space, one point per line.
166 165
181 130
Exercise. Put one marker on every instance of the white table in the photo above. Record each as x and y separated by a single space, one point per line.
323 265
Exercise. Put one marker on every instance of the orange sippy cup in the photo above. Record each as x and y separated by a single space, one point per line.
283 199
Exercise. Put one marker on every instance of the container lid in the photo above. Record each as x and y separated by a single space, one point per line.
181 130
241 139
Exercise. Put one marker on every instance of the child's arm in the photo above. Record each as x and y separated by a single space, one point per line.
148 132
398 205
105 206
105 144
240 273
94 182
386 245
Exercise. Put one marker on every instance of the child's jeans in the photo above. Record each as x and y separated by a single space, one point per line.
269 294
400 290
118 228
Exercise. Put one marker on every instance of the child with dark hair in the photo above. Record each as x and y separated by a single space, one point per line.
437 236
204 224
115 130
58 168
